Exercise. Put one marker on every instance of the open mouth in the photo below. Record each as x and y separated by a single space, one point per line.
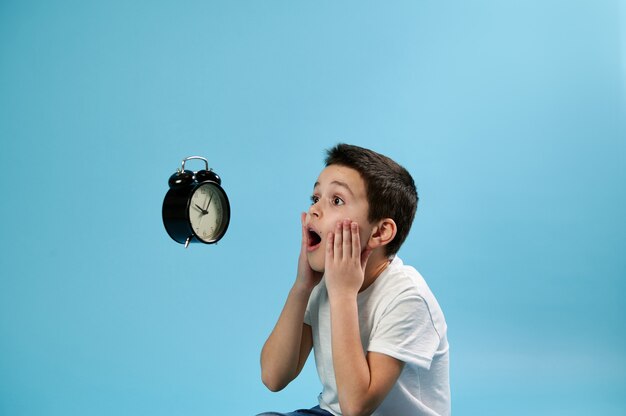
314 240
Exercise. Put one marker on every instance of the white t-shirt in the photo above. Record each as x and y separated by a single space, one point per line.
399 317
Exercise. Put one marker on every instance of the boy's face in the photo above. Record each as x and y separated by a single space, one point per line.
339 194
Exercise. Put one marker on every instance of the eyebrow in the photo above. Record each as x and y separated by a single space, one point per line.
337 183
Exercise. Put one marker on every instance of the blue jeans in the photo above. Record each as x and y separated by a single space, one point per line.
316 411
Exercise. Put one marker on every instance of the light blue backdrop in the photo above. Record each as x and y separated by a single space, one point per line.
509 114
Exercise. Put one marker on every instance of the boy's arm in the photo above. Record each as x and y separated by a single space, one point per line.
290 343
363 381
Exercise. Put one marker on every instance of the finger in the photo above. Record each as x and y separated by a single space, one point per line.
329 248
347 238
338 246
356 241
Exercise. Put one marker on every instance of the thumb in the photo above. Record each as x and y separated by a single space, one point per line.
365 255
305 236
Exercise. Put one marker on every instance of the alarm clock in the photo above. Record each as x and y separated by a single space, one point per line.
196 207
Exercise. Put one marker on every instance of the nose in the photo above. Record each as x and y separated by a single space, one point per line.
315 211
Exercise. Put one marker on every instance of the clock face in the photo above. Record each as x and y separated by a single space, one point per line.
209 212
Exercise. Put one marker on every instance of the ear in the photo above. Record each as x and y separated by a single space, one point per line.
383 233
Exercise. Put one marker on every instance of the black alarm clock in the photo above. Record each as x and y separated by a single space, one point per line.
196 207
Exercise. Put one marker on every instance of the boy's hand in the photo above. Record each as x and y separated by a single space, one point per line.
345 263
307 278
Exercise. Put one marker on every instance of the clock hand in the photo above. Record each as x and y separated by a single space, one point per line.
204 212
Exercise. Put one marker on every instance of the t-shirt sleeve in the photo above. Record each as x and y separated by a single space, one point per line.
406 331
307 315
312 304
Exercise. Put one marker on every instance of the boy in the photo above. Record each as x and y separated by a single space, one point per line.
377 331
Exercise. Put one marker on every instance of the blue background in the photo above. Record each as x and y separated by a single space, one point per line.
509 114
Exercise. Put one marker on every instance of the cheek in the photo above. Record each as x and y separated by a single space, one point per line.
364 238
364 235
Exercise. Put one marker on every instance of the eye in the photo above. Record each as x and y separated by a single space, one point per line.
314 199
338 201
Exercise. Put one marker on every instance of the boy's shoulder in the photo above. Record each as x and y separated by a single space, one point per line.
402 281
402 277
